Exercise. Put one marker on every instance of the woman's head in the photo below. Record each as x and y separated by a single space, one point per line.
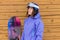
32 9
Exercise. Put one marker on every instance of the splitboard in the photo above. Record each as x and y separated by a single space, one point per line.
14 28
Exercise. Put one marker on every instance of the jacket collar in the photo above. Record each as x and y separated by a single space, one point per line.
37 16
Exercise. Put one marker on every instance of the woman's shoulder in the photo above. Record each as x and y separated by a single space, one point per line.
37 21
25 19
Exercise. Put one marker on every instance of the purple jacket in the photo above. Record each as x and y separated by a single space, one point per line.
33 28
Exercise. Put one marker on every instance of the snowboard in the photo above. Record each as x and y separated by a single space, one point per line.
14 24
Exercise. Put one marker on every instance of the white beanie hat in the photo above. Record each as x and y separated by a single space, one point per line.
31 4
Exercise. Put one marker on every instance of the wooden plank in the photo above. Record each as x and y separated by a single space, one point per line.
12 0
52 30
3 28
20 2
24 10
43 10
45 21
11 10
50 10
43 0
51 20
6 3
50 13
56 2
17 13
49 6
52 26
24 7
20 7
47 34
51 34
38 0
22 16
3 31
51 38
48 29
8 15
2 36
5 22
51 17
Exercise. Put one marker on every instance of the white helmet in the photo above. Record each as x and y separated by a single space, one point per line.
31 4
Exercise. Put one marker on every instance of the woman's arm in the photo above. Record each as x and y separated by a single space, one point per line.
39 30
22 38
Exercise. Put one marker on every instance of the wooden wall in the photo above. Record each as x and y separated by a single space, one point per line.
49 10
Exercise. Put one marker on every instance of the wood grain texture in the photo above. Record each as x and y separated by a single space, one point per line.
49 11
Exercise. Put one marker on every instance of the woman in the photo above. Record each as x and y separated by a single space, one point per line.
33 25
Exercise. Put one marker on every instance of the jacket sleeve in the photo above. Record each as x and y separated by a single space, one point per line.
22 37
39 30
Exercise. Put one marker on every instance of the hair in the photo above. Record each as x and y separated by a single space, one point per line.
35 11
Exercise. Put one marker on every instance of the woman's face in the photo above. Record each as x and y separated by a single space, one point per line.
30 10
